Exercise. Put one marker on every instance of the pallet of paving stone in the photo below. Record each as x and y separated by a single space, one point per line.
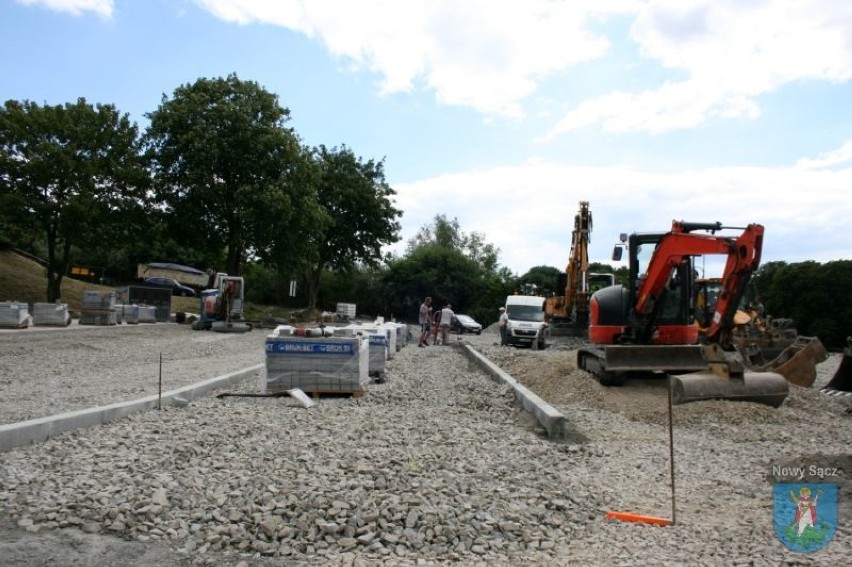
102 317
378 353
94 300
147 314
14 315
128 314
51 315
325 364
98 308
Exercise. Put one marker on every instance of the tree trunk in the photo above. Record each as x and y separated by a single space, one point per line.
312 277
54 281
234 264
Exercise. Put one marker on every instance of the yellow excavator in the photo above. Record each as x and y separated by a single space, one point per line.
567 311
763 341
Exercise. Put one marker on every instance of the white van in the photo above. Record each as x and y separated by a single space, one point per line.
526 321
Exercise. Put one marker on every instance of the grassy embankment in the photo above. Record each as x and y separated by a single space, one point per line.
23 279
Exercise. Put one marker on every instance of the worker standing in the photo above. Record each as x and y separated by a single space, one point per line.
425 318
504 326
446 320
436 326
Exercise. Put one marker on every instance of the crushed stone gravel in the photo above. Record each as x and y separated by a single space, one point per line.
435 465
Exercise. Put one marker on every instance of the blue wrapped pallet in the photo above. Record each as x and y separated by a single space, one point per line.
322 364
378 328
378 353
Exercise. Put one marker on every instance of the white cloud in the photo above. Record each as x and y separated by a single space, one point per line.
485 54
828 159
103 8
528 210
731 52
718 56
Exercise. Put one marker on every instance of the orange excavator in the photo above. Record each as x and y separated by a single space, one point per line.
648 326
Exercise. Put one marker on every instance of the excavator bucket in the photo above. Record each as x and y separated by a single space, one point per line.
725 378
842 380
766 388
797 362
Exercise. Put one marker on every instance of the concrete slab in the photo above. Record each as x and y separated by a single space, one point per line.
558 428
43 428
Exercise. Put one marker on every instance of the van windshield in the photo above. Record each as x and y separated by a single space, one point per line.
525 313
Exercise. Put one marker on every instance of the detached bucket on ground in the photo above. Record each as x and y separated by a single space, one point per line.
797 362
842 380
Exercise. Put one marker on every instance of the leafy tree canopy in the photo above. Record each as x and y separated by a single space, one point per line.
357 219
72 172
448 234
222 159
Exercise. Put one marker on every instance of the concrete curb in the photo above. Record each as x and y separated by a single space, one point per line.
558 428
38 430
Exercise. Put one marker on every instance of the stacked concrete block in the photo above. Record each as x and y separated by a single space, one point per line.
348 331
322 364
378 353
147 314
14 315
346 311
400 331
389 329
382 329
98 308
51 315
127 313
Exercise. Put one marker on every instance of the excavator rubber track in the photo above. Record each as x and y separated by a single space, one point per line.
698 372
842 379
230 327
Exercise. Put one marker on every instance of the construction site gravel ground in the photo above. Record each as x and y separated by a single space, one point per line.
435 465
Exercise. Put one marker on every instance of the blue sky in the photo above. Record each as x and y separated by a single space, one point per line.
504 114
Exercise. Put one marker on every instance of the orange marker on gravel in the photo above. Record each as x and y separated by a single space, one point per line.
628 517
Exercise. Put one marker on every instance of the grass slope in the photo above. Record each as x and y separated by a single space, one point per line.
25 280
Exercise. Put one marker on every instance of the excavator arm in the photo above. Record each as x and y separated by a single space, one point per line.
743 259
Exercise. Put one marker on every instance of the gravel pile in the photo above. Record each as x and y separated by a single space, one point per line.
45 371
435 465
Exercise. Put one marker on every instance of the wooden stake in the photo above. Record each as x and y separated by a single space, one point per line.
160 394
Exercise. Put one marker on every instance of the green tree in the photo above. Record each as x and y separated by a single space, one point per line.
71 171
223 157
356 219
444 262
814 295
448 233
545 278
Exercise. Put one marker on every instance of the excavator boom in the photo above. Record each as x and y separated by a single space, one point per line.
568 309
